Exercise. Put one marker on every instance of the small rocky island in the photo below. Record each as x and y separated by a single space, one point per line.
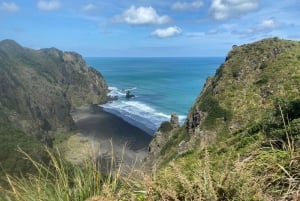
129 94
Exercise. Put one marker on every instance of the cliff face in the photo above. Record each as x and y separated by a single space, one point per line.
39 88
246 91
246 87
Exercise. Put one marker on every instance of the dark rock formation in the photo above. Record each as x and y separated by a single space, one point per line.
129 95
161 137
174 121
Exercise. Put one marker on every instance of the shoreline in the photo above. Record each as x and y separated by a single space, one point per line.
111 135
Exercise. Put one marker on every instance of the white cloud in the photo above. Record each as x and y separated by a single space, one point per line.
89 7
266 26
49 5
166 33
187 6
142 16
9 7
224 9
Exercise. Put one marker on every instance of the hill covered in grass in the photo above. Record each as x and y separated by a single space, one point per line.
38 91
241 138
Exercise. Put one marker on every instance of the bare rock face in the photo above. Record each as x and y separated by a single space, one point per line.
174 121
153 158
39 88
161 137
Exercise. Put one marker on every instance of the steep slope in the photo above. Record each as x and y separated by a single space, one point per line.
245 119
39 88
38 91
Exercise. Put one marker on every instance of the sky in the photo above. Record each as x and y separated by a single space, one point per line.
147 28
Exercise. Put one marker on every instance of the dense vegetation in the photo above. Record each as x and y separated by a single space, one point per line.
11 160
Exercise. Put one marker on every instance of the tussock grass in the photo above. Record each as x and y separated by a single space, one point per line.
62 181
264 173
247 166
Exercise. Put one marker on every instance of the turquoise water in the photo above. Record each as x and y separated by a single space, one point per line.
161 86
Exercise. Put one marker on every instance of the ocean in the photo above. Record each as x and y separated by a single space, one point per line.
161 86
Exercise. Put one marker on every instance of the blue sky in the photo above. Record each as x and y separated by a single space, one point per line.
146 28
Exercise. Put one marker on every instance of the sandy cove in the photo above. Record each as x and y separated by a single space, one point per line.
102 135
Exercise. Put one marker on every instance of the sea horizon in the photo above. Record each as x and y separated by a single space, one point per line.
149 57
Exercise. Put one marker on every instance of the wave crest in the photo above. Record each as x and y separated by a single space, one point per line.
135 112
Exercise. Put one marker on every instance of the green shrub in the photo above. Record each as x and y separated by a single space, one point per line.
264 79
263 65
165 127
235 71
11 160
214 110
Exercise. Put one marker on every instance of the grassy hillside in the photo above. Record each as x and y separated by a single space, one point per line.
241 141
38 91
242 137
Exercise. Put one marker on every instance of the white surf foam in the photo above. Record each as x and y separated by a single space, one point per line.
114 91
137 113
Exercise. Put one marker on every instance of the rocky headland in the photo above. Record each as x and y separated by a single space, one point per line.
48 95
40 88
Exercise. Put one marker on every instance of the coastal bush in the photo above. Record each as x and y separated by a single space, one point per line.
284 123
244 170
257 173
263 65
214 110
11 161
235 71
165 127
263 80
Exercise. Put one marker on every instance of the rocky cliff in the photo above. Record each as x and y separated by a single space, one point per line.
241 139
245 91
39 88
246 87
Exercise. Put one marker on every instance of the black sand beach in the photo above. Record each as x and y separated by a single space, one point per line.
108 129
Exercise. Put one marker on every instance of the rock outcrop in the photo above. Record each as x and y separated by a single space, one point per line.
174 121
40 88
161 137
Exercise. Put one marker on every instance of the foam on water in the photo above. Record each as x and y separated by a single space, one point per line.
135 112
114 91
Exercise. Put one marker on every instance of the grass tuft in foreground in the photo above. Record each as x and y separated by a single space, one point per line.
61 181
262 163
